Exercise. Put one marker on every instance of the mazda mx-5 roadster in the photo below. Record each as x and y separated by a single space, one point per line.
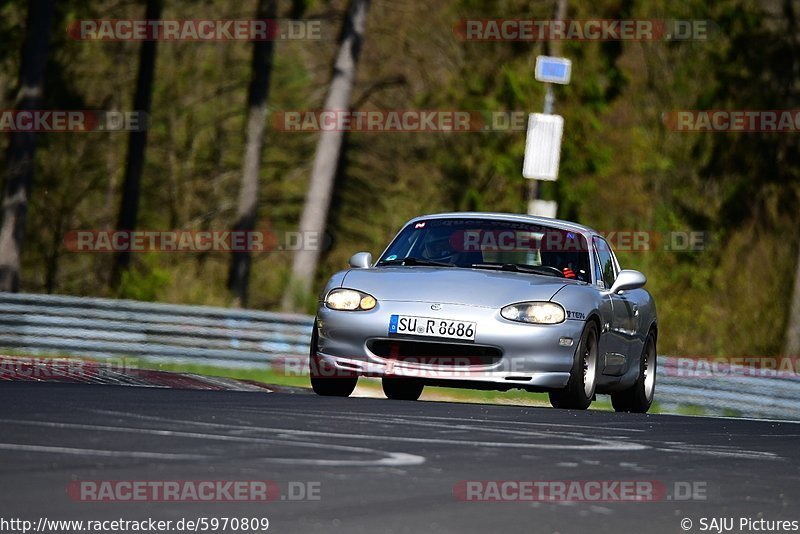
489 301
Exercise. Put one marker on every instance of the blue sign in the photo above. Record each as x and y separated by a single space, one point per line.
553 69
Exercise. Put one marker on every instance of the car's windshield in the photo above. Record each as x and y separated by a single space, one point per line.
491 244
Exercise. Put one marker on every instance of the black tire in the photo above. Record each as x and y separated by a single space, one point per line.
579 393
326 380
402 388
639 397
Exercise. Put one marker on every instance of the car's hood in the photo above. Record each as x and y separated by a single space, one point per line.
475 287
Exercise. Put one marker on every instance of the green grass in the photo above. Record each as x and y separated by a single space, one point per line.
269 376
690 409
266 376
369 385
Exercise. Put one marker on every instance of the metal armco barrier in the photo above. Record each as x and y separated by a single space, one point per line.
103 328
728 389
233 338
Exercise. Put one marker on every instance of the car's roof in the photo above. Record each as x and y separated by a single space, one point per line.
516 217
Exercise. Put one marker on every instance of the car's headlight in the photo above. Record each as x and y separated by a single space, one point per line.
350 300
534 312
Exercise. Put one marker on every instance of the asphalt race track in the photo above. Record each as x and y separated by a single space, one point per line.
383 466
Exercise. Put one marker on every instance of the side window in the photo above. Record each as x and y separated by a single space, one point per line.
598 271
607 266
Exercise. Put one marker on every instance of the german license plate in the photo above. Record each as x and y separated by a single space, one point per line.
431 327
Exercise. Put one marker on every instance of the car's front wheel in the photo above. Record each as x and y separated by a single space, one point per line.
639 397
326 379
402 388
579 392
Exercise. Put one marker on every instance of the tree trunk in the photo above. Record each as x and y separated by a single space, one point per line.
22 145
257 97
137 143
793 326
555 47
318 198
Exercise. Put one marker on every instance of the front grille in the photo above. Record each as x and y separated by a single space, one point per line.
433 353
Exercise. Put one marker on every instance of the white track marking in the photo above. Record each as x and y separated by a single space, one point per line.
720 452
487 427
394 459
594 443
391 418
729 418
390 458
681 447
100 452
676 447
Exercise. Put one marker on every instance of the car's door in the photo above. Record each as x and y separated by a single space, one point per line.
616 347
638 309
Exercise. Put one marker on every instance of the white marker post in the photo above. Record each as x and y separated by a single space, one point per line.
543 142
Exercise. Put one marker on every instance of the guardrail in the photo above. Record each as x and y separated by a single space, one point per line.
102 328
234 338
728 389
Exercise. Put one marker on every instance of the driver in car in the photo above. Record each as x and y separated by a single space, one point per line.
438 248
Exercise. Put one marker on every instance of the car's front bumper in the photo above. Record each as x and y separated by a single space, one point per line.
536 357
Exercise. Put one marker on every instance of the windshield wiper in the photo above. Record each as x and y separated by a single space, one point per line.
410 260
517 268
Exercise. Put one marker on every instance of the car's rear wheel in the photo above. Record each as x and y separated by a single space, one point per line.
326 379
639 397
579 392
402 388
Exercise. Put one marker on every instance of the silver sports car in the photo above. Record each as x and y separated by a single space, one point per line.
490 301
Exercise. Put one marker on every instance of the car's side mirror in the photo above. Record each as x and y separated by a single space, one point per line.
361 260
628 279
